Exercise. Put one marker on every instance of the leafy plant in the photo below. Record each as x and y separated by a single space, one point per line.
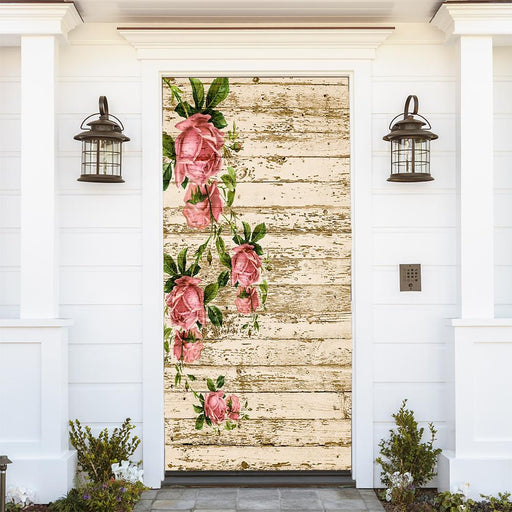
404 451
72 502
453 502
97 454
500 504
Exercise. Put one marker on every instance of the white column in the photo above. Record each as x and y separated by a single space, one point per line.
39 283
476 177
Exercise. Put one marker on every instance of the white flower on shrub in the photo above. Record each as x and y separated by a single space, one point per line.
127 471
20 496
398 481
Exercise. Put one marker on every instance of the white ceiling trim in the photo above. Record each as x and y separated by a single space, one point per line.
38 19
474 19
345 42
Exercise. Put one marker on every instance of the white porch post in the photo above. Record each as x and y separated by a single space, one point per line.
34 348
482 451
476 177
39 283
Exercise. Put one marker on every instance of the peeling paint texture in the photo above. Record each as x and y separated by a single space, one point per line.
294 175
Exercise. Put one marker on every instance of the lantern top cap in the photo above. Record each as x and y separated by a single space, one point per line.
103 127
410 126
4 460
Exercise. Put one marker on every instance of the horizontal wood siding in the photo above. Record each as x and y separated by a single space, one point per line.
294 175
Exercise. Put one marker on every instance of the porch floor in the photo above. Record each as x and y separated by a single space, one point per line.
269 499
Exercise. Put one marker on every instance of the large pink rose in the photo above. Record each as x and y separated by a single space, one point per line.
233 411
198 150
186 303
187 345
245 266
247 300
198 215
215 406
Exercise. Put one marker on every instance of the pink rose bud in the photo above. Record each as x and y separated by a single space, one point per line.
245 266
198 150
215 406
199 215
186 303
187 345
247 300
233 411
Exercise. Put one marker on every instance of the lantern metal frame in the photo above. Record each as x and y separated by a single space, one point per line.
102 147
410 145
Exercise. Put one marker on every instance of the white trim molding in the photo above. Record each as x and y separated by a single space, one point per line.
344 42
467 18
38 18
268 52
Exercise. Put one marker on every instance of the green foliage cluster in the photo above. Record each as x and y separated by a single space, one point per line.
110 496
97 454
404 451
452 502
501 503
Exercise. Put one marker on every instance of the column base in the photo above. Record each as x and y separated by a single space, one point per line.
49 477
485 475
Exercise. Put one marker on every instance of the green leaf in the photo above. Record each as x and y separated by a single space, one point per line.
197 92
264 291
221 246
208 422
215 315
220 381
259 232
182 260
198 409
238 239
218 91
170 265
185 109
210 292
231 197
247 231
168 149
200 422
217 119
223 278
194 270
232 173
211 385
226 179
169 285
258 249
225 259
184 183
200 250
191 377
166 175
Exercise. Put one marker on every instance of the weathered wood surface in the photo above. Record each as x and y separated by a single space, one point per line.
275 405
294 175
232 458
273 432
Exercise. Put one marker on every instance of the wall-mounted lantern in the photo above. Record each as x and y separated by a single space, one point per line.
410 145
101 147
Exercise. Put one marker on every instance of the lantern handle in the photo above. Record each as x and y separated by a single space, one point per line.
408 102
103 106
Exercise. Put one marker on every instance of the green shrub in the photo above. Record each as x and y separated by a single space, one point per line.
500 504
404 452
97 454
110 496
453 502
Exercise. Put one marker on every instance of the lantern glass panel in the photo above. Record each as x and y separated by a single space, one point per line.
89 156
411 155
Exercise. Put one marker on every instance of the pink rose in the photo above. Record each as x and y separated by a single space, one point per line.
233 411
198 215
245 266
198 150
247 300
186 303
187 346
215 406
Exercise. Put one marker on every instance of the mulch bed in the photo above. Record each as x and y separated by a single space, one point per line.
36 508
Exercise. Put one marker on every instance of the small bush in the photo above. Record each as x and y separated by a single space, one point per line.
110 496
453 502
97 454
500 504
404 452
